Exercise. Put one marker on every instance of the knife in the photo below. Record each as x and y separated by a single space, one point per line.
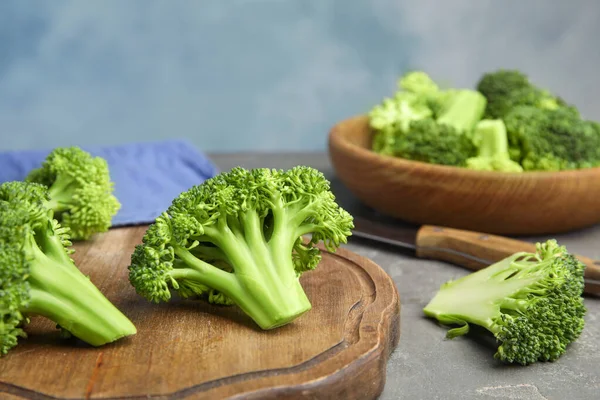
467 249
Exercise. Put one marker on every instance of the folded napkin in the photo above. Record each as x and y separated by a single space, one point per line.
147 176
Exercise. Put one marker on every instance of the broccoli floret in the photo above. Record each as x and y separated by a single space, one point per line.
492 148
497 85
531 302
80 190
428 91
38 276
418 82
237 239
552 140
393 117
425 123
509 89
434 143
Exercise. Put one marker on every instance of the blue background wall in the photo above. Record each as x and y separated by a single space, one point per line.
264 75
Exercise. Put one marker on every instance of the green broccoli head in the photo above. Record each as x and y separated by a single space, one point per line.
497 86
80 190
38 277
237 239
434 143
552 140
393 117
418 82
14 289
531 302
506 90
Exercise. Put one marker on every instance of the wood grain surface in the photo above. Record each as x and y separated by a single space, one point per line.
530 203
192 350
451 245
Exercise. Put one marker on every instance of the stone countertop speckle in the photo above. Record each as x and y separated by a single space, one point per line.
427 366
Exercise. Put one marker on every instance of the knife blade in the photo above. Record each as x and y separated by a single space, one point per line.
472 250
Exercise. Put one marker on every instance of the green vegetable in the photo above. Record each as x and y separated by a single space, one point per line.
552 140
493 154
431 142
463 111
38 276
508 89
237 239
80 190
393 117
424 123
531 302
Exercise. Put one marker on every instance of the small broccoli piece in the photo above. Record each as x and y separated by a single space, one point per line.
421 84
430 142
552 140
531 302
80 190
418 82
492 148
497 85
38 276
463 111
506 90
406 125
393 117
237 238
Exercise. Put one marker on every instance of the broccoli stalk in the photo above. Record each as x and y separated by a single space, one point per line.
463 111
492 143
237 239
38 277
80 190
531 302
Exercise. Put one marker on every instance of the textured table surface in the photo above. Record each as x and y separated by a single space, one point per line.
427 366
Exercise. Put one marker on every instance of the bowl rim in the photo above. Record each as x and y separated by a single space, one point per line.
337 138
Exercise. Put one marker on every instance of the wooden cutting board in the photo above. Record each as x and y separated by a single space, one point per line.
192 350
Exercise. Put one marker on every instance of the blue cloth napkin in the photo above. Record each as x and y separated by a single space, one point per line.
147 176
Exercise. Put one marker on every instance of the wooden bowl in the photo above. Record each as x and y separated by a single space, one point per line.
529 203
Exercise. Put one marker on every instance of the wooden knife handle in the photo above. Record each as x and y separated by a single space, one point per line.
455 246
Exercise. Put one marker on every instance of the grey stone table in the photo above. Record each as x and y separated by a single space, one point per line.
427 366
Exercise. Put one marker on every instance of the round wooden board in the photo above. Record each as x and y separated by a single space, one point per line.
189 349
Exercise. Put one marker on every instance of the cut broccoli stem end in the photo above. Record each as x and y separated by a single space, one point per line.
64 295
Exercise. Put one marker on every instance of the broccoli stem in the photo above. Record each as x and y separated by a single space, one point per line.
61 193
64 295
479 297
264 283
464 111
491 139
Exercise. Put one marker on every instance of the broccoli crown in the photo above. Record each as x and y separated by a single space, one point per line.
493 153
506 90
434 143
14 289
418 82
531 302
38 276
552 140
237 239
497 85
80 190
393 117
